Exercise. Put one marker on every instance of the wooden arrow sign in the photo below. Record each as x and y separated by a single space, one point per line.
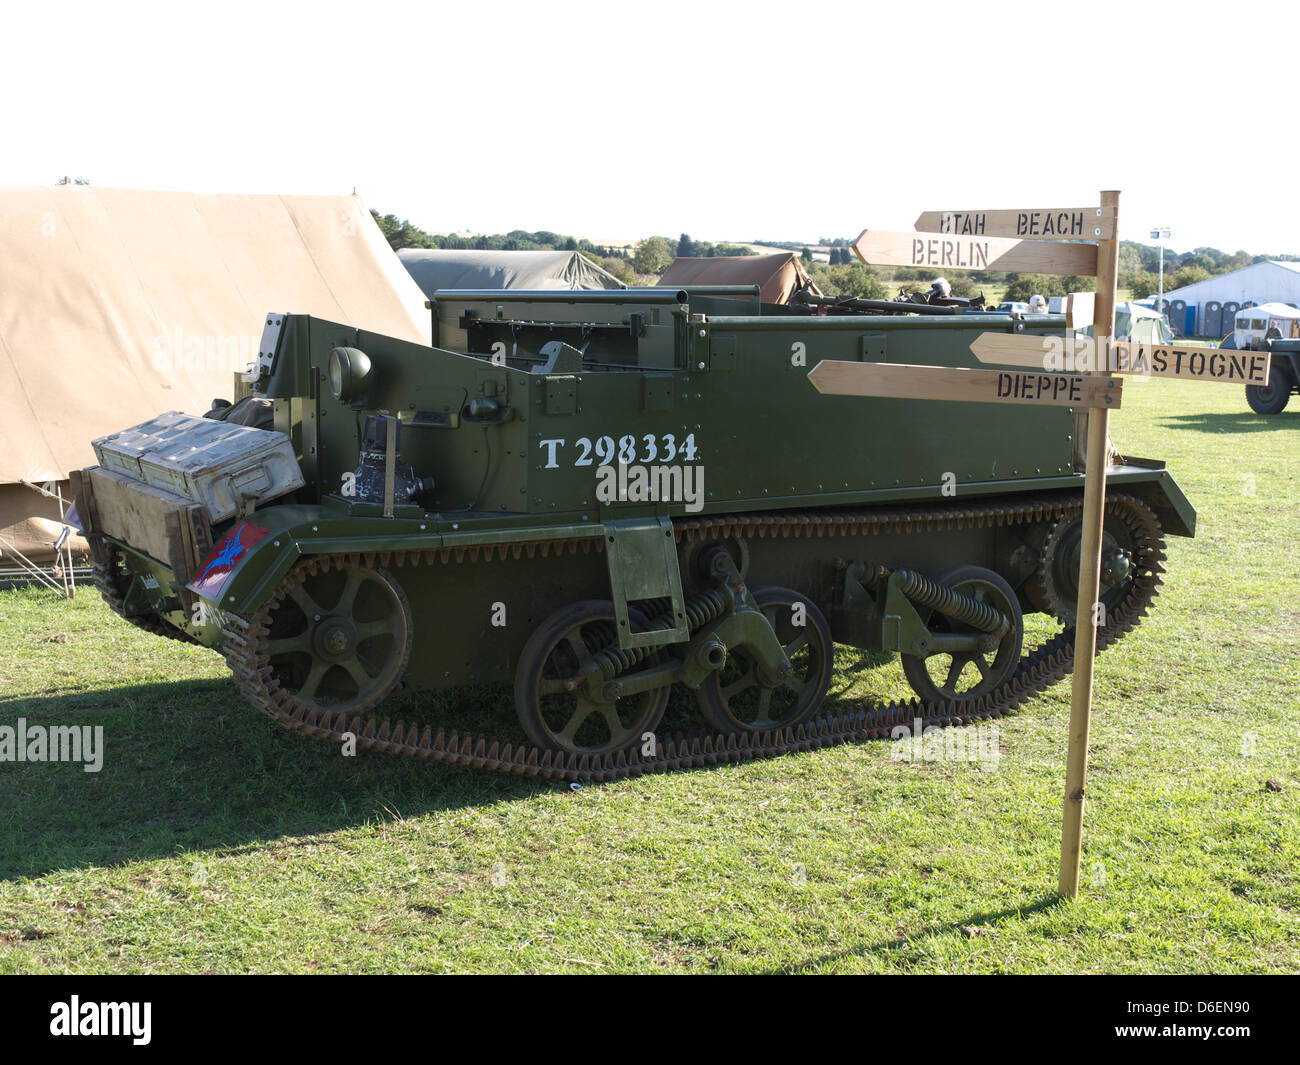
1049 223
903 381
1051 353
1229 367
876 247
1078 355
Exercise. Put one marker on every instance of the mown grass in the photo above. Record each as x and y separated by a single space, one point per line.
213 841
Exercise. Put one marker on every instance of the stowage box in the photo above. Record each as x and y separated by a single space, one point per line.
210 462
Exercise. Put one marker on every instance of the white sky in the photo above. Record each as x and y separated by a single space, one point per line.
786 121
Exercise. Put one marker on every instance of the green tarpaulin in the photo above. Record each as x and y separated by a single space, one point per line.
435 269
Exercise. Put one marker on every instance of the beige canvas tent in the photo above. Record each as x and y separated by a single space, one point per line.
777 276
119 304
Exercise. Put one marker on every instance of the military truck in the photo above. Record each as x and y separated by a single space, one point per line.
1283 377
603 498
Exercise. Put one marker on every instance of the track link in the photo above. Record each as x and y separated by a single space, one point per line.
1038 669
112 583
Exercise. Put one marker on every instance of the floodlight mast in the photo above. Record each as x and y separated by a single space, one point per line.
1160 234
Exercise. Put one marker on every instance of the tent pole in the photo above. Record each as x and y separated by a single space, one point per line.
28 566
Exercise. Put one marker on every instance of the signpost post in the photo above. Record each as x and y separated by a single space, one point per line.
1064 371
1086 619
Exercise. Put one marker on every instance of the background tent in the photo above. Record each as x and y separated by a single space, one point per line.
777 276
1141 325
119 304
434 268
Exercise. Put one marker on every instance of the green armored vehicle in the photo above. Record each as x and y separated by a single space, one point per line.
600 497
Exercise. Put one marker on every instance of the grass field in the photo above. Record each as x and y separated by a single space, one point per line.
213 841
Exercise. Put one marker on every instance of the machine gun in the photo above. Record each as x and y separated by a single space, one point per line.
938 300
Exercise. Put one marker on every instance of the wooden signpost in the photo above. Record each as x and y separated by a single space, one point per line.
1062 371
934 251
1078 355
901 381
1051 223
1085 618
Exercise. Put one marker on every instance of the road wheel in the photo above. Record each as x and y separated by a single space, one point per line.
563 718
964 676
739 698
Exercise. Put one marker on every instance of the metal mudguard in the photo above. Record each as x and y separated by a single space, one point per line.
1154 485
255 555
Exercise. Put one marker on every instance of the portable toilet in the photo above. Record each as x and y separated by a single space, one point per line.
1211 319
1183 323
1228 320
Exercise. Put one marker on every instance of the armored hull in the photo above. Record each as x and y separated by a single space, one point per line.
601 497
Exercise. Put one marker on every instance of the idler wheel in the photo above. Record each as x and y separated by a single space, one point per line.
339 639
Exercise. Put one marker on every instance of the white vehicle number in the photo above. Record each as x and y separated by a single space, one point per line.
629 449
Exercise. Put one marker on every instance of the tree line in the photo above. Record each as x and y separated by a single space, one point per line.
843 275
648 258
1139 266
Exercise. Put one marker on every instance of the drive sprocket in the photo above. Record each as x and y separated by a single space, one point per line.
1054 586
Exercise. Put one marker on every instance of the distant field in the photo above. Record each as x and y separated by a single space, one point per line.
213 841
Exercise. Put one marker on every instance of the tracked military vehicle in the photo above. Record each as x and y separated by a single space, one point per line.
601 498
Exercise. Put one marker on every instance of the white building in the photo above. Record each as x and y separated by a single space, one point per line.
1207 308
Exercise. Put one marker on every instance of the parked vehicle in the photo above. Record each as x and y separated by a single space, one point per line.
525 503
1252 324
1283 378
